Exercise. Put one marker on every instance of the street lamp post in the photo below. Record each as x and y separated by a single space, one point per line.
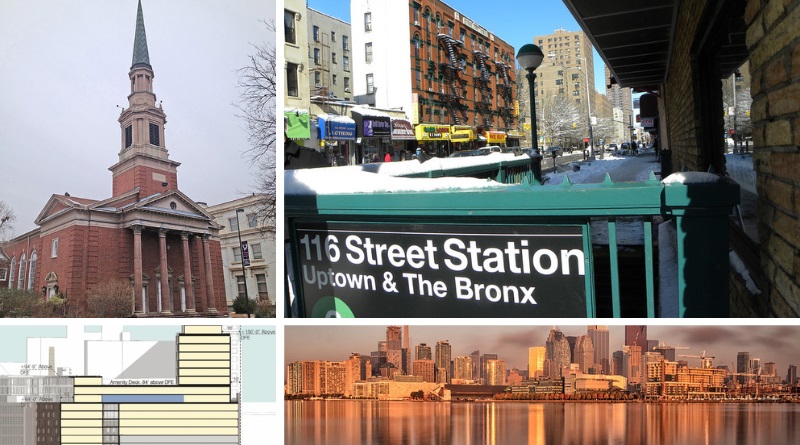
530 57
241 251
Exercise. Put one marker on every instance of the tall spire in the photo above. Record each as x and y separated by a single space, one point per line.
140 54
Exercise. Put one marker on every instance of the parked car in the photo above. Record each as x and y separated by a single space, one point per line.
490 149
464 153
555 150
530 151
516 150
612 147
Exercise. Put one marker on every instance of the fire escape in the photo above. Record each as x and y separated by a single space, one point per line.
453 96
483 84
505 90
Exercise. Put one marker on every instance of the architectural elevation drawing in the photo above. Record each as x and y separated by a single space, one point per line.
136 385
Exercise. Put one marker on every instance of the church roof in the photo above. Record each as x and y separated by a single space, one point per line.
140 54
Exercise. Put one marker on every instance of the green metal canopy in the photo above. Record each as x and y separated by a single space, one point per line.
297 123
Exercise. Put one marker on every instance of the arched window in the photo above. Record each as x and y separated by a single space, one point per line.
416 45
11 273
32 270
21 275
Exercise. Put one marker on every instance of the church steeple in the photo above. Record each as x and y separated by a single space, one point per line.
143 160
140 54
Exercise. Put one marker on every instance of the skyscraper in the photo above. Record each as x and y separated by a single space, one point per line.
442 360
463 368
599 336
791 375
535 361
743 366
423 352
636 335
557 351
476 365
495 372
394 346
484 359
584 354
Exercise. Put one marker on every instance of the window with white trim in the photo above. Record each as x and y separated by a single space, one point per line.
32 270
252 220
233 223
54 248
237 254
261 280
367 21
11 274
21 274
241 285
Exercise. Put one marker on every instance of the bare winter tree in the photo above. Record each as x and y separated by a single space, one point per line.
257 85
7 218
556 118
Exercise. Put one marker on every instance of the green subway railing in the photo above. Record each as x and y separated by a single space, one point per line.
501 245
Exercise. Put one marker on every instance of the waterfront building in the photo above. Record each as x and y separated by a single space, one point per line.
536 356
395 390
424 368
557 351
475 356
394 347
442 361
743 365
148 233
483 360
632 365
599 336
496 372
449 74
255 280
353 373
463 368
584 354
294 378
791 375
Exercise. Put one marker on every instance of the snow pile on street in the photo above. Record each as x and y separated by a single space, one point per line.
691 178
332 181
591 171
740 169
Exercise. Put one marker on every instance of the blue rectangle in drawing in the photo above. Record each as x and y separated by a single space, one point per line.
143 398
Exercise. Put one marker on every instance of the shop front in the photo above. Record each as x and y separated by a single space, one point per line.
297 124
373 130
496 138
337 134
433 138
403 140
462 137
514 138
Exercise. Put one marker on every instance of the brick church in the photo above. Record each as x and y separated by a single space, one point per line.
148 232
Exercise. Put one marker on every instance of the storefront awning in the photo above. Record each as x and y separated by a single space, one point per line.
462 133
515 134
432 132
371 123
296 123
495 137
402 130
336 128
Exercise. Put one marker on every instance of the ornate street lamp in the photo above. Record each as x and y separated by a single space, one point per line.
530 57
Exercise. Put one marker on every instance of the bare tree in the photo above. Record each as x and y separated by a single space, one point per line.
7 218
257 85
556 118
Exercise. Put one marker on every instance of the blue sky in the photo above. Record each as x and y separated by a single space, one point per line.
514 21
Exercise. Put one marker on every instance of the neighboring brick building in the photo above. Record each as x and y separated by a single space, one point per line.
148 232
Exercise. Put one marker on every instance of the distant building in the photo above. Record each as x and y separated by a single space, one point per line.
328 39
536 361
423 352
495 372
791 375
584 354
463 368
425 369
557 351
442 361
599 336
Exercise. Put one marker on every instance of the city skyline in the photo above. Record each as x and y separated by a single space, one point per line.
769 343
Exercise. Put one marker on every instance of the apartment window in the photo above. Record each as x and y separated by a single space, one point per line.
560 91
368 52
128 136
154 139
54 248
333 36
316 56
576 93
416 15
344 43
233 223
3 274
291 79
255 250
419 79
333 57
333 79
370 84
346 63
317 79
416 46
32 270
261 280
575 76
367 21
463 35
316 33
560 72
347 83
559 81
288 27
241 286
237 254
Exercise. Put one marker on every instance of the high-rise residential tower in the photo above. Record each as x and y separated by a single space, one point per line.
599 336
442 361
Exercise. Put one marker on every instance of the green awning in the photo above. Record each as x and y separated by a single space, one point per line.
297 123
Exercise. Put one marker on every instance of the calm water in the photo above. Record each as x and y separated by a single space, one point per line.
373 422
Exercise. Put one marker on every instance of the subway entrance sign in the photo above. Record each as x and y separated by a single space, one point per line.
400 269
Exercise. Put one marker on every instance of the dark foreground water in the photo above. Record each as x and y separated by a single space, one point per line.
374 422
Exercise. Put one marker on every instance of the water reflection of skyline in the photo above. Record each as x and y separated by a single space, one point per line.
492 423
